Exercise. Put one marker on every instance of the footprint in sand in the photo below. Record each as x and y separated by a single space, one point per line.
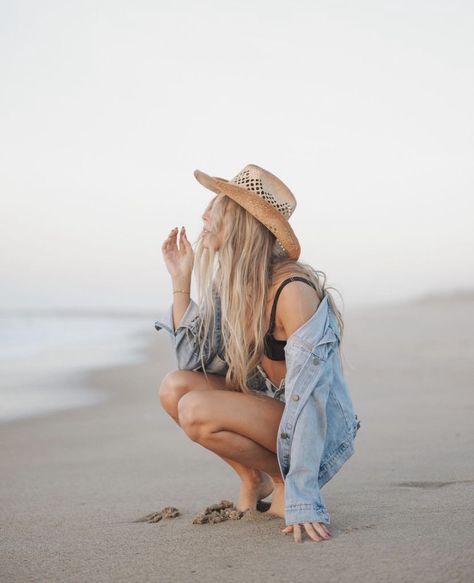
432 485
166 512
226 510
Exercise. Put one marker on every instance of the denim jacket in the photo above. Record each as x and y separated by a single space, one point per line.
318 425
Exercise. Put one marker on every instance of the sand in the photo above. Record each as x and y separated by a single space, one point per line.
76 485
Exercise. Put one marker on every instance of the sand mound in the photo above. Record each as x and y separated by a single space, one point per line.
226 510
166 512
223 510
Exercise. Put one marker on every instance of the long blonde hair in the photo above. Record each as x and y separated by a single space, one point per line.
240 275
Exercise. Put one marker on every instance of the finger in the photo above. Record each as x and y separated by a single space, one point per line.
185 236
321 530
173 238
311 532
183 239
297 533
167 243
168 237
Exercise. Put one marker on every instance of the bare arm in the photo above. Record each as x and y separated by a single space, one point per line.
304 504
179 263
180 300
297 303
182 319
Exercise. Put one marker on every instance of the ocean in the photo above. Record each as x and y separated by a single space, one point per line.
44 358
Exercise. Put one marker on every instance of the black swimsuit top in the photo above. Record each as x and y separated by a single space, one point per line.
275 349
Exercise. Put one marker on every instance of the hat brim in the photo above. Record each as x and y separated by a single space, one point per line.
262 210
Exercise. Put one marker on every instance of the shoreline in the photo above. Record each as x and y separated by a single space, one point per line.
70 387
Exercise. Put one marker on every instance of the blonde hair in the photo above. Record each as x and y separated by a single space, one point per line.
241 274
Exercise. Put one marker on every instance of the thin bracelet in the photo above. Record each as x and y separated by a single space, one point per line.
183 291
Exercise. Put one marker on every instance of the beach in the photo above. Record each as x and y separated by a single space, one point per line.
75 481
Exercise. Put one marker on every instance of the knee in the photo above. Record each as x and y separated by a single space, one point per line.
192 416
171 389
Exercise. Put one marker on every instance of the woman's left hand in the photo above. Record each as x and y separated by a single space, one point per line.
316 530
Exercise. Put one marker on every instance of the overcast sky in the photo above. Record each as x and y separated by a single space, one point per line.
364 109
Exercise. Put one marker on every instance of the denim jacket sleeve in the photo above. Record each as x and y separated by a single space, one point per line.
318 424
186 343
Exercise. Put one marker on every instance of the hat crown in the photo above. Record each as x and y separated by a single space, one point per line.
268 187
264 196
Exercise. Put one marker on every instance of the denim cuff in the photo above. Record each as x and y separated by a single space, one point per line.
165 320
299 513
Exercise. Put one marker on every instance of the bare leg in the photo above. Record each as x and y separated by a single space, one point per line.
239 426
255 483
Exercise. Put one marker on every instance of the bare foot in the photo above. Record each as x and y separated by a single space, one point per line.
278 500
251 491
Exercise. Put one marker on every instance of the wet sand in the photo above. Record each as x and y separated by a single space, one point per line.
75 484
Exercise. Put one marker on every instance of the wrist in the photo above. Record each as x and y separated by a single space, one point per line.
181 283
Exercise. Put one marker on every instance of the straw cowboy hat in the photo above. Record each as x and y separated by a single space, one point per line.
265 197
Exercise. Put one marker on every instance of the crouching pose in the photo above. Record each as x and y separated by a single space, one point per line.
259 379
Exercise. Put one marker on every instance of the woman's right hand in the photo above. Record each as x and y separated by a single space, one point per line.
179 261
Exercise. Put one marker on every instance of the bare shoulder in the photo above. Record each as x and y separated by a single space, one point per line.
298 301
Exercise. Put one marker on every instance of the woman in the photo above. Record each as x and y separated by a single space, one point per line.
259 379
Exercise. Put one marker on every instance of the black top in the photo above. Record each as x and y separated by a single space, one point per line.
275 349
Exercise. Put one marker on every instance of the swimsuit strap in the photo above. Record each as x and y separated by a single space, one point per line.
282 285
